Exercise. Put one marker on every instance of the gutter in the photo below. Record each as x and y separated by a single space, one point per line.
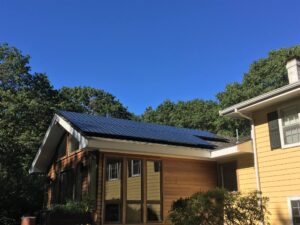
265 96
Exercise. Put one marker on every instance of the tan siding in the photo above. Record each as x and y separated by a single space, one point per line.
134 188
113 190
279 171
246 173
182 178
153 182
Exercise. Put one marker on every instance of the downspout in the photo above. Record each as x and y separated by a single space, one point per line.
253 137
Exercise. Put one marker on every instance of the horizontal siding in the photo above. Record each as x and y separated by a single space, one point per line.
279 171
246 173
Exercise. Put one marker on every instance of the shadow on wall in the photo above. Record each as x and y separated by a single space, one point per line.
281 219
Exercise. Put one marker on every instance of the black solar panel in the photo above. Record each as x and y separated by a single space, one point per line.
133 130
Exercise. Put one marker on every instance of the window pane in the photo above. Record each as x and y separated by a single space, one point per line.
112 212
93 179
290 125
134 213
134 183
153 180
291 134
153 212
66 186
113 179
62 146
73 144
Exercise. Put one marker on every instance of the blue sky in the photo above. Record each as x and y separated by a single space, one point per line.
144 52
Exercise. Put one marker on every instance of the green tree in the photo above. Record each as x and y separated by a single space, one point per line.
93 101
27 103
197 114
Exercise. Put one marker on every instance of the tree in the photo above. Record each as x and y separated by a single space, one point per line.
218 207
93 101
27 103
196 114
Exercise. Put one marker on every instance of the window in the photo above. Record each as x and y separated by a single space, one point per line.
134 168
134 190
113 170
93 179
154 209
62 146
290 123
73 144
294 206
227 176
113 185
66 185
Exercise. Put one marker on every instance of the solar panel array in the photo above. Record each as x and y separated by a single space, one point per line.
93 125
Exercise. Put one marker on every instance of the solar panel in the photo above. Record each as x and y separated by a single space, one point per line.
127 129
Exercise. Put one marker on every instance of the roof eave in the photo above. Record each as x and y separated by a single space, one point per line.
261 100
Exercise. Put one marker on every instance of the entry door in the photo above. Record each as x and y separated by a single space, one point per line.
227 176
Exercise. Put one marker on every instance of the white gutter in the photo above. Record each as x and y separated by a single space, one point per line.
272 94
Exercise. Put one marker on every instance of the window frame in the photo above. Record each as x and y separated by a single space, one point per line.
290 199
132 168
110 173
123 201
105 176
281 127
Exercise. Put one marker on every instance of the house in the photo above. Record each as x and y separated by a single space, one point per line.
275 129
133 171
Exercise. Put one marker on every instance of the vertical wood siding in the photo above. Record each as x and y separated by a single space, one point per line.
182 178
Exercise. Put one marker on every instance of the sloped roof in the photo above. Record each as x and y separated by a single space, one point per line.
92 125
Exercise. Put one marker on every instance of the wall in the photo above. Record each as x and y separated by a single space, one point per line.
279 170
182 178
246 173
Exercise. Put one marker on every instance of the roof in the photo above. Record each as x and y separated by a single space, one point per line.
99 126
284 93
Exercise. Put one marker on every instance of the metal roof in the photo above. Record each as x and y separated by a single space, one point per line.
92 125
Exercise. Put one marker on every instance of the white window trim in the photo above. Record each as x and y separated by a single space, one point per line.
132 170
290 207
279 111
110 173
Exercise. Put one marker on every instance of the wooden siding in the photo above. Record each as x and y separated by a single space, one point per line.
66 162
134 188
153 182
182 178
246 173
279 170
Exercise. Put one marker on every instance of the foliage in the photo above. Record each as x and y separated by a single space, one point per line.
71 208
93 101
197 114
27 104
220 206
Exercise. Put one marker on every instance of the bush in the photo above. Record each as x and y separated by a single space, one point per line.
218 207
71 208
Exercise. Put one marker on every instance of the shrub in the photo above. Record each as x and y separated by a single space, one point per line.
218 207
70 207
